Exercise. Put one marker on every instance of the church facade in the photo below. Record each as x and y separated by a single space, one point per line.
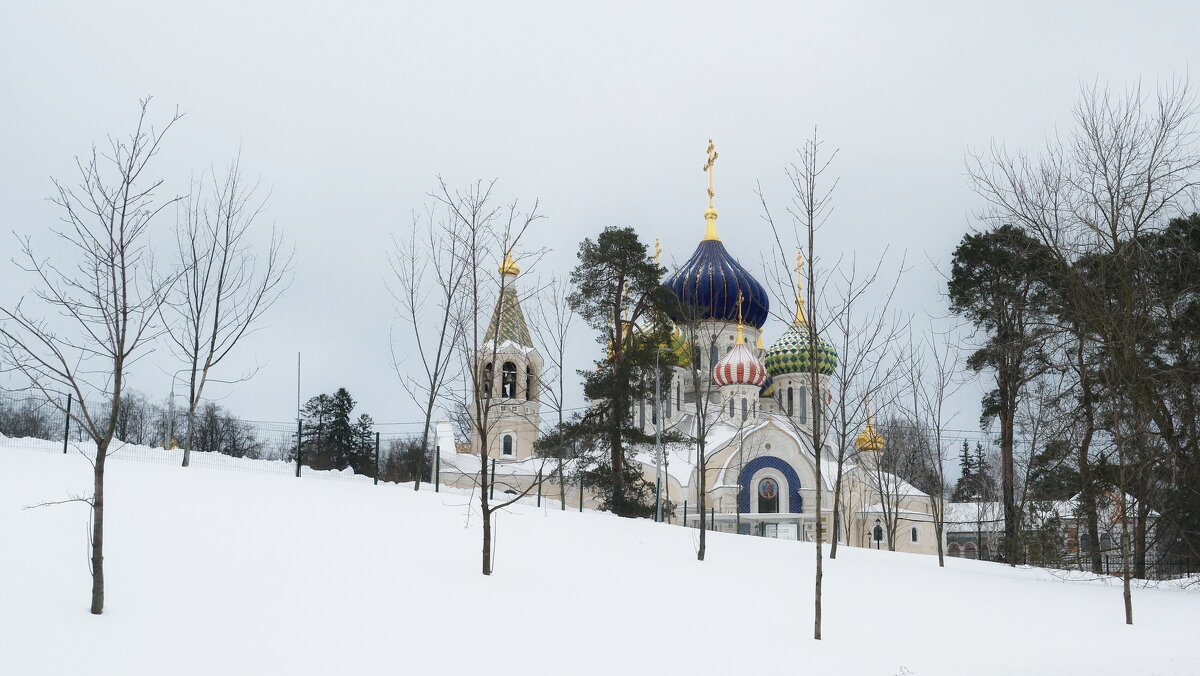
751 404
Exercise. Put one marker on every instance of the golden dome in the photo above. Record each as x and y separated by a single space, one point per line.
509 266
869 439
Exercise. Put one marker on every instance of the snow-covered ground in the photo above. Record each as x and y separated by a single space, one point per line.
212 570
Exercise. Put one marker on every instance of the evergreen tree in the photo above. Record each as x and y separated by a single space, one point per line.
618 292
1052 475
998 282
363 458
331 439
964 489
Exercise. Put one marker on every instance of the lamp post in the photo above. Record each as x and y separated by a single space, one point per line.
171 409
658 437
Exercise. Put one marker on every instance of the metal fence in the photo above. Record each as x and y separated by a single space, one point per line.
153 433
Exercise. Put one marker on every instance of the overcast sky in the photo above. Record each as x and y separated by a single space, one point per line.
348 111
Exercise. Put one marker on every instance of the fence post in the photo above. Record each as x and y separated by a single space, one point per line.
67 428
539 480
437 470
377 458
492 482
712 519
580 492
299 445
685 513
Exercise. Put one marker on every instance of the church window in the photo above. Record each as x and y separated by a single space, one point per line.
803 404
768 496
913 534
508 445
642 413
678 396
744 408
529 393
730 408
488 374
791 400
712 355
969 550
508 380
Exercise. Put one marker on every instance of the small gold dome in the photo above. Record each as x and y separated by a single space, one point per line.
869 439
509 266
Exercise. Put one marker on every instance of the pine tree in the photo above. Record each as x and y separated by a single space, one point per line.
331 439
618 292
964 489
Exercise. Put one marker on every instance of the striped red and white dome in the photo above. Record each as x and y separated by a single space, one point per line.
740 367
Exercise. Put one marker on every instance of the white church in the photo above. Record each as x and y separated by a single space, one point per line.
760 467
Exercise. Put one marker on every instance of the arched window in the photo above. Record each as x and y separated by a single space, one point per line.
712 356
488 375
641 413
969 550
508 445
768 496
529 393
791 400
803 404
508 380
952 550
913 534
744 408
730 408
678 396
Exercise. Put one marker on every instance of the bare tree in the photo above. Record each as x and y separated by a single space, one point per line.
933 381
863 341
427 285
551 329
809 209
485 235
107 300
226 286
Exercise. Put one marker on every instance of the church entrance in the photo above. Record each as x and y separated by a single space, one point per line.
768 496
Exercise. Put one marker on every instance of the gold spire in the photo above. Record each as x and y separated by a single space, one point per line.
710 214
759 345
869 439
509 266
800 289
741 339
657 250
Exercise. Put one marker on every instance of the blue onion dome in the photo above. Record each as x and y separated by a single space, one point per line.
791 354
710 282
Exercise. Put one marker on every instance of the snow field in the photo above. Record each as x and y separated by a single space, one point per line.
214 571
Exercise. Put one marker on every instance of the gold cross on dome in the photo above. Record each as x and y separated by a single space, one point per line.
657 250
708 166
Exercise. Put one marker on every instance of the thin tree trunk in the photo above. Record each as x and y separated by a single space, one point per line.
98 532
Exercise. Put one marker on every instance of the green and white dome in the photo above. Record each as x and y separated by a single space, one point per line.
791 354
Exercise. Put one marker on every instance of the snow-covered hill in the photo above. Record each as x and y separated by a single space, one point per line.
219 571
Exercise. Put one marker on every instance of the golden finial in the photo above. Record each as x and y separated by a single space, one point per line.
657 250
710 214
869 439
800 288
759 344
509 266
